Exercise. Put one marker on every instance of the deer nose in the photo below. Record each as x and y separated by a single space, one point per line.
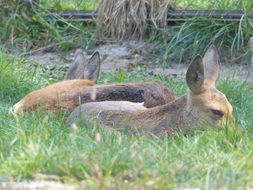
229 118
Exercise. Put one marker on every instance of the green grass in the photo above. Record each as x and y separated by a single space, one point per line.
42 30
216 4
98 158
184 40
74 4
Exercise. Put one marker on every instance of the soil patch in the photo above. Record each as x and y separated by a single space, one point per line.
35 185
136 53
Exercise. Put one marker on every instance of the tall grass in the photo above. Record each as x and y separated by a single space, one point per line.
41 29
10 87
185 40
182 41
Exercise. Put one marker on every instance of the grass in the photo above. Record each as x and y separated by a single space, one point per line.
65 4
217 4
181 42
22 33
97 158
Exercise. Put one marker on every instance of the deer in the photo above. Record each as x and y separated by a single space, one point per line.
203 104
80 87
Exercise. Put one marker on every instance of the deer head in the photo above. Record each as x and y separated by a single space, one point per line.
204 101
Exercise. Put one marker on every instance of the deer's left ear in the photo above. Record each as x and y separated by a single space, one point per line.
211 66
195 75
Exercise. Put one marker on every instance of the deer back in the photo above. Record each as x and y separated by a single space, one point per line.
151 93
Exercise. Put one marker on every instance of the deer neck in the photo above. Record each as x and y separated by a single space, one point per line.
168 118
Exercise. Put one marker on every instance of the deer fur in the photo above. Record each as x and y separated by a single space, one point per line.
68 94
202 105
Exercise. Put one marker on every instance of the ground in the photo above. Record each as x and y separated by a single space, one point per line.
130 54
36 185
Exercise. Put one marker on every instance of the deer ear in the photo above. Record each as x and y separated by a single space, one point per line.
77 66
195 75
211 65
92 69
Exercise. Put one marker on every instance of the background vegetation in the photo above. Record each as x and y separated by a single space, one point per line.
24 33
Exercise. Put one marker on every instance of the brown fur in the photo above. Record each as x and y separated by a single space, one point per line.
51 96
200 106
151 93
67 95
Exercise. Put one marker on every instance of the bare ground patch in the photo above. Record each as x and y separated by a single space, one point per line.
35 185
137 53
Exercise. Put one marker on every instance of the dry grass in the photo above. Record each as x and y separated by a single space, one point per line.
124 19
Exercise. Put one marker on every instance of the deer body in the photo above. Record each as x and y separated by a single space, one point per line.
68 94
203 104
158 120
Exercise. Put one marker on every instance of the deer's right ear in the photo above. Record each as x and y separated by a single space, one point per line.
195 75
211 65
92 69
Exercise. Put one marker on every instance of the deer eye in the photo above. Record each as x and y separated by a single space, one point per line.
217 113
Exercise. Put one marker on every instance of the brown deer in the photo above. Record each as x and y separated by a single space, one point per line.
203 104
68 94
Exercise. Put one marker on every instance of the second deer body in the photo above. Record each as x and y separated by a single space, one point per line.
203 104
76 90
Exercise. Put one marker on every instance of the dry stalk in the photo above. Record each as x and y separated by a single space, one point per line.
124 19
